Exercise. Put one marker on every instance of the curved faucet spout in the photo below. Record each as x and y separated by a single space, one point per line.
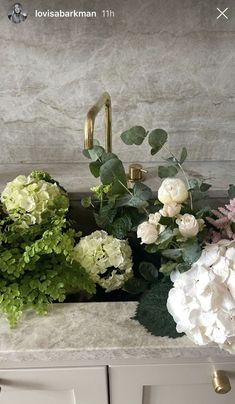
104 100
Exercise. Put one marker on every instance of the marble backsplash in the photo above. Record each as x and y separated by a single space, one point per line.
166 63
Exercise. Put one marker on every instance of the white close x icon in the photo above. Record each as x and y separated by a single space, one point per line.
222 13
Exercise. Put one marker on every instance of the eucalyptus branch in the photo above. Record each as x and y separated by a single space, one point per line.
183 172
129 192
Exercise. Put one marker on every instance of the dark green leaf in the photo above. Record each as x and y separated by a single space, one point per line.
112 172
165 238
231 191
151 248
183 155
121 226
135 286
148 271
86 202
191 251
108 156
135 135
193 184
167 171
183 267
167 268
233 227
152 312
95 168
140 194
95 153
166 221
106 216
172 160
204 187
173 254
157 138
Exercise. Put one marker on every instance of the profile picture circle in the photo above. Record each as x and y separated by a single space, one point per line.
16 14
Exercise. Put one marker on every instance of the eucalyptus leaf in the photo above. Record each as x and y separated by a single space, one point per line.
172 160
167 268
135 286
183 267
167 171
95 153
108 156
191 251
121 226
140 194
231 191
157 138
148 271
172 253
204 187
151 248
95 168
134 135
112 172
193 184
165 238
183 155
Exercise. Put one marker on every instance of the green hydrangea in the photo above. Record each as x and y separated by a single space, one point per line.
107 259
32 199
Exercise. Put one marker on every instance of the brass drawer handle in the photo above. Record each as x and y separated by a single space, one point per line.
221 382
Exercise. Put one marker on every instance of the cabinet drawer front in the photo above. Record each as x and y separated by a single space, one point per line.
54 386
167 383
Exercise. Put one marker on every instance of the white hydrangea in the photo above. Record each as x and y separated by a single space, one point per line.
107 259
29 198
202 301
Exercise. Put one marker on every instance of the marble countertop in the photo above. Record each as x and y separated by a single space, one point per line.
101 333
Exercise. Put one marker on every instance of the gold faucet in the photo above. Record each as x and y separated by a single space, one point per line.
104 100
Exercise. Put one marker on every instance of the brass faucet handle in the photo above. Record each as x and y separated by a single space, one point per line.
221 382
135 172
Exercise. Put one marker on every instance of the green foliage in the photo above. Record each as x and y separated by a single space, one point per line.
112 172
183 155
135 135
86 202
135 286
148 271
36 266
136 198
191 251
167 171
157 138
231 191
168 267
152 312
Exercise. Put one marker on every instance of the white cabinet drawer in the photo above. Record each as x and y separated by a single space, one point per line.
85 385
169 383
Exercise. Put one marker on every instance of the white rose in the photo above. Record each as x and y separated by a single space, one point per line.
172 190
171 210
188 225
147 232
154 218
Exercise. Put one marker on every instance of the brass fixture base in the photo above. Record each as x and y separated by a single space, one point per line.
135 173
221 382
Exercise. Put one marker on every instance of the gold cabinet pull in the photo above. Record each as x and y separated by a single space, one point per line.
221 382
